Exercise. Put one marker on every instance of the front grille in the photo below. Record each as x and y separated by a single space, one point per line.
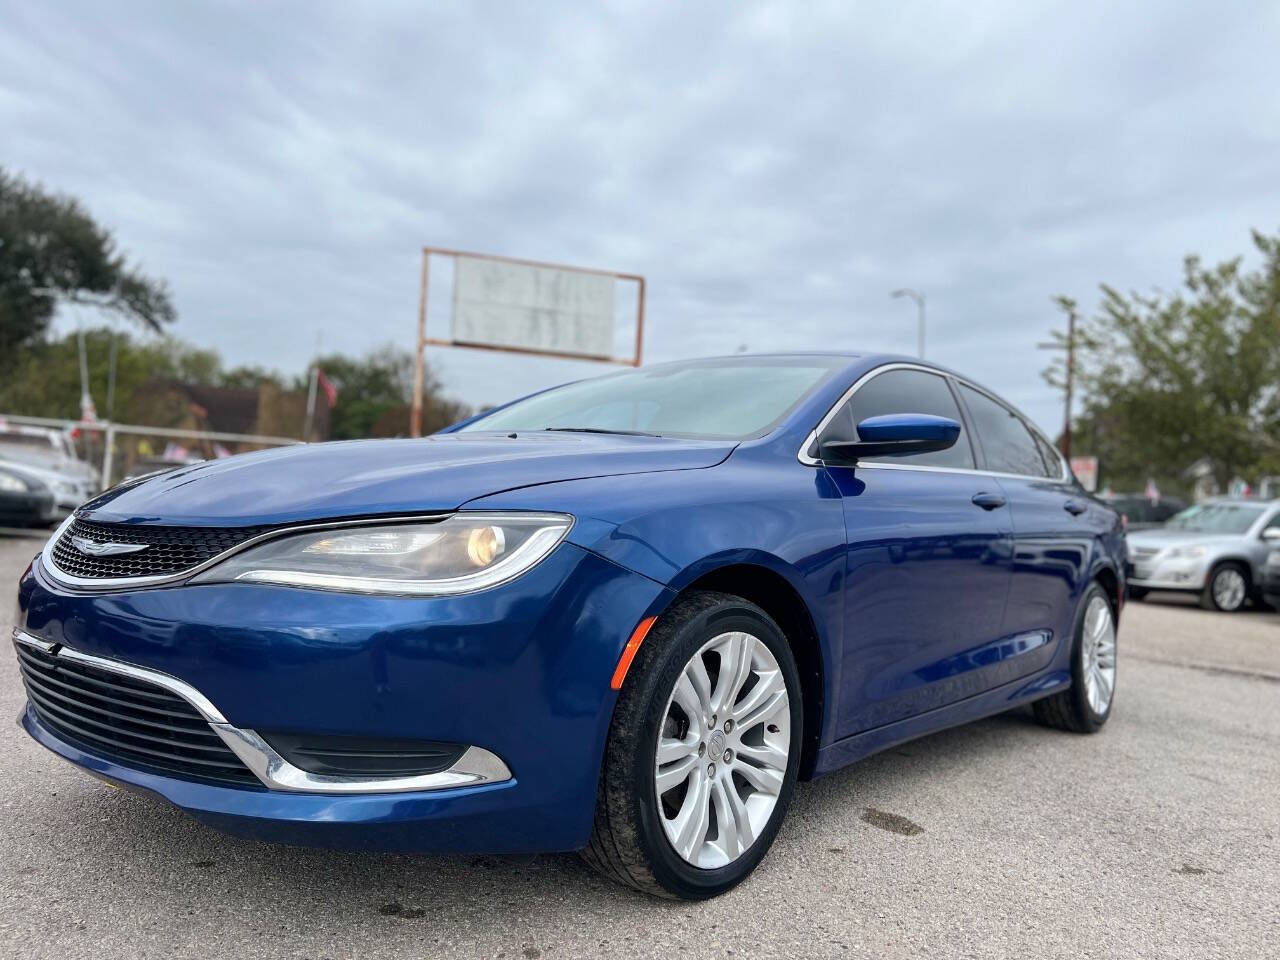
1144 552
169 550
127 720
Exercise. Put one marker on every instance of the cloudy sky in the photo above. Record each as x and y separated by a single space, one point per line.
774 170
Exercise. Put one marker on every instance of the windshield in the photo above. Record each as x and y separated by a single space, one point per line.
712 399
1217 518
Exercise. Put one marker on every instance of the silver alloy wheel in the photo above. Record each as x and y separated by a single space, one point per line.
1098 653
722 750
1228 588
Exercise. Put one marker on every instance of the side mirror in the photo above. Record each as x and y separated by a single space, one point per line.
893 435
1271 534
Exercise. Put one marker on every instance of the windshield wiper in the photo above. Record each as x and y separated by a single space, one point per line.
624 433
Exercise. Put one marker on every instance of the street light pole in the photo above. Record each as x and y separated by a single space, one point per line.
919 299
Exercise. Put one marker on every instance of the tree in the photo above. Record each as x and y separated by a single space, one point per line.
50 248
44 379
374 394
1171 378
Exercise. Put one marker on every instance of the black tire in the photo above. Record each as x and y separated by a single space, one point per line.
628 843
1070 709
1137 593
1208 598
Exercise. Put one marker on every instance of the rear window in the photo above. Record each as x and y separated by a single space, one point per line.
1008 443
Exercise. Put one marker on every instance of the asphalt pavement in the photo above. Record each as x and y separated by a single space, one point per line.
1159 837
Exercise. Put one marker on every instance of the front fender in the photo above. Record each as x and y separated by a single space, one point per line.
677 529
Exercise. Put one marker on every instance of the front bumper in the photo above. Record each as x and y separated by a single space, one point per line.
1168 573
521 671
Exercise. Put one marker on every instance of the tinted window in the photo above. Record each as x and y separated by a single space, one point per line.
1008 443
1052 462
730 398
903 391
1218 518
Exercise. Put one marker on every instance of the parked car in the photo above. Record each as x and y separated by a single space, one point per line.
1216 549
621 616
1141 512
49 455
25 500
1271 580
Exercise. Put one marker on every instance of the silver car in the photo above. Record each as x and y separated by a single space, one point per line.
1217 549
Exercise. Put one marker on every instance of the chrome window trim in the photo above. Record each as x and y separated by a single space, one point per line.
476 766
106 584
1064 473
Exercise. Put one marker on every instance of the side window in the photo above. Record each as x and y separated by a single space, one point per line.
1052 461
904 391
1010 447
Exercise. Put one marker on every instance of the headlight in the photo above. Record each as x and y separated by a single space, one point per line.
1189 553
11 484
466 552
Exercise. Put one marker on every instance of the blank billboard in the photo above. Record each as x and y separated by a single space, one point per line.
502 304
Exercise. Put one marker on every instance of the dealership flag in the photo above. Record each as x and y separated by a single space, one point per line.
330 391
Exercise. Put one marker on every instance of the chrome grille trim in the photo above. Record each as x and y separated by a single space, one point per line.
477 766
127 716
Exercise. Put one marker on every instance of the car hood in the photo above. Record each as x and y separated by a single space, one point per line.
386 477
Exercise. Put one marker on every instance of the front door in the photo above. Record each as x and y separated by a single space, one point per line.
927 565
927 577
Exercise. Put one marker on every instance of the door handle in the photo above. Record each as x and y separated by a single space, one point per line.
1074 507
988 501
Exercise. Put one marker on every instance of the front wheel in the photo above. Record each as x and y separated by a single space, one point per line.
1226 588
703 751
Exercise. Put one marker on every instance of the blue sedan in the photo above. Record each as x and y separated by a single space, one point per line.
622 616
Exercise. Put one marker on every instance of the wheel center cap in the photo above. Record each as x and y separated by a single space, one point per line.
715 746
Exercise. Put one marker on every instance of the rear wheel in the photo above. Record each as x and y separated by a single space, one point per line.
702 754
1227 588
1085 706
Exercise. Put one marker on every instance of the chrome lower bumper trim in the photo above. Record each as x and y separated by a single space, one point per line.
476 766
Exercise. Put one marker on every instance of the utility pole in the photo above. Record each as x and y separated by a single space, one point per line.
111 380
919 299
1069 345
310 418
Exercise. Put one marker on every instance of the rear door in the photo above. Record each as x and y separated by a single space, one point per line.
927 565
1054 526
